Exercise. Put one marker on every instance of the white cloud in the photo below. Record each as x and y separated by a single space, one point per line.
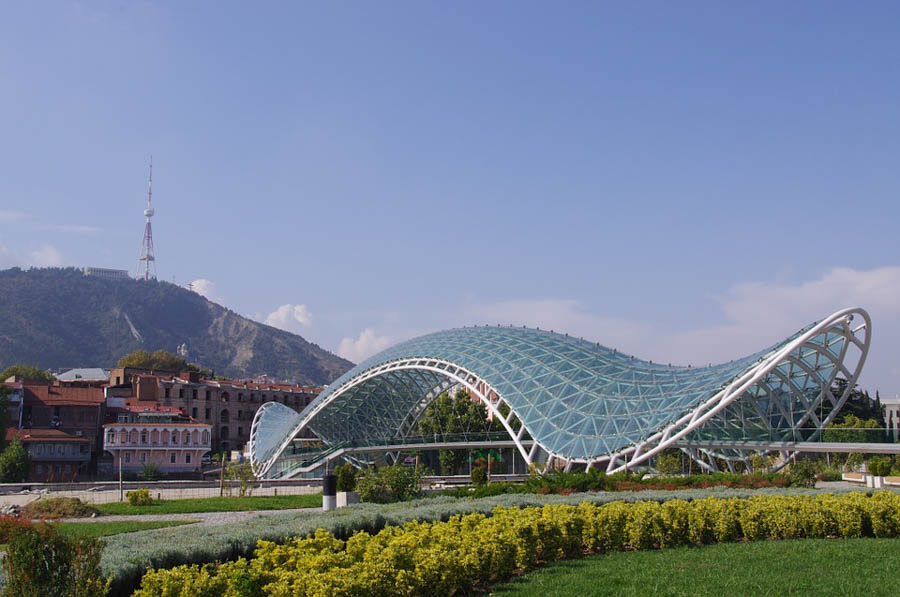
366 345
46 256
11 216
9 258
289 317
206 288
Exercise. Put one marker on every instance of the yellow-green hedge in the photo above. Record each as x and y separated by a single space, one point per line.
447 558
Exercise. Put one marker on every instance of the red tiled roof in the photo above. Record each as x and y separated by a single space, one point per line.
34 435
57 395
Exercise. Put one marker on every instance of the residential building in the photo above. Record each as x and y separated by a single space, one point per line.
162 436
56 456
74 411
228 406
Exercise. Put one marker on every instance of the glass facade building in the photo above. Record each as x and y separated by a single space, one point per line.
565 401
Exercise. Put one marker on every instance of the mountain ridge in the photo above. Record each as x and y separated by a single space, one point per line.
58 317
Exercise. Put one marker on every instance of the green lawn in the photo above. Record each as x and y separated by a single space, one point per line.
215 504
103 529
819 567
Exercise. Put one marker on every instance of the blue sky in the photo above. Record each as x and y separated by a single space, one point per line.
688 182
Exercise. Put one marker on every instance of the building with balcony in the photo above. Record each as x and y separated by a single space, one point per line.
227 406
56 456
161 436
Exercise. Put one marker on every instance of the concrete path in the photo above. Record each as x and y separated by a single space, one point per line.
206 519
112 494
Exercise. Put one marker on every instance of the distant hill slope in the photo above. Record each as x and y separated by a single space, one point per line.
61 318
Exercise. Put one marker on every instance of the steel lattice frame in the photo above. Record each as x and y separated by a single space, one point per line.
580 402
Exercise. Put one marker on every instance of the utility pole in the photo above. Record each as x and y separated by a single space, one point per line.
222 477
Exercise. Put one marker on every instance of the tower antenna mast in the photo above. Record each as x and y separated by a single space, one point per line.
147 261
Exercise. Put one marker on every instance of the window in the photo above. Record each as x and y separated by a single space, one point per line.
143 457
225 396
174 437
127 457
40 449
181 392
240 431
168 391
194 412
208 394
224 433
194 394
67 468
223 416
187 458
60 449
207 414
252 397
206 437
173 457
240 397
144 436
84 448
39 469
55 412
240 415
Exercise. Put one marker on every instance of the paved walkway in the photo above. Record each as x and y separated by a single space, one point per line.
206 519
111 494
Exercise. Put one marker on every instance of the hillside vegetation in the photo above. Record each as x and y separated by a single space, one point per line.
60 318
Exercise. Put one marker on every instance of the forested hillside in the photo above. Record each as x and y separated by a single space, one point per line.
60 318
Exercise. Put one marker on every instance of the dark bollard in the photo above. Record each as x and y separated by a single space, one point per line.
329 492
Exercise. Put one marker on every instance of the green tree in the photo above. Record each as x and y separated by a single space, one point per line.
454 415
32 372
14 463
160 360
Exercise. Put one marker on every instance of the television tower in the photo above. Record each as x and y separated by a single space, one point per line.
147 261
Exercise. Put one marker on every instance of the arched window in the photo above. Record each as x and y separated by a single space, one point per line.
206 437
154 436
134 436
185 437
223 416
123 437
165 437
194 436
223 433
144 436
225 396
110 436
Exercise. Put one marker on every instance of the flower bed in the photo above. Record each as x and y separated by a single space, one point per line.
473 550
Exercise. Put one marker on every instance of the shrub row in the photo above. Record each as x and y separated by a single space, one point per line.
562 483
468 552
128 556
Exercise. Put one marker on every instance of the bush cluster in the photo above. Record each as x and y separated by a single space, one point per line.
9 525
881 465
562 483
129 555
40 562
469 552
139 497
346 477
396 483
59 507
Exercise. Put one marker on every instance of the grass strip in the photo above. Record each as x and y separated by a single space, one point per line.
821 567
104 529
214 504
